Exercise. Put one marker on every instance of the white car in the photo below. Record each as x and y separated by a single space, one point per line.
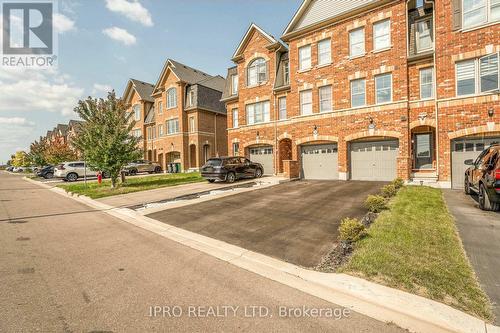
71 171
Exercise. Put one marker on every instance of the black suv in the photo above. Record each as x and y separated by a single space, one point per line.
230 168
483 177
46 172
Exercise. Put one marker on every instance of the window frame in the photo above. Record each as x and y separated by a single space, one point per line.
421 70
175 121
169 96
160 130
236 152
301 101
235 115
417 35
282 112
192 124
477 75
329 87
286 72
364 92
266 116
488 6
137 112
305 47
234 84
375 24
480 77
258 67
376 88
351 32
326 41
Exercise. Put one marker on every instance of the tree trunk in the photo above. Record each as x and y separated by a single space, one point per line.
122 174
114 178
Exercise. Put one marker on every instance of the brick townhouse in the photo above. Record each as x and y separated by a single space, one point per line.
181 117
369 90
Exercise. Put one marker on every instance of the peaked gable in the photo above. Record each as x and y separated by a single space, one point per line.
246 38
143 89
182 72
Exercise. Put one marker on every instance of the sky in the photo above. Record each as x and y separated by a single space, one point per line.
103 43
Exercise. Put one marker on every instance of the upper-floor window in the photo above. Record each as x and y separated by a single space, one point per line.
305 57
236 149
358 93
137 132
171 98
234 84
306 102
282 108
160 130
357 42
477 12
257 72
258 113
383 88
325 99
172 126
151 131
191 97
478 75
426 83
286 72
382 35
324 52
137 112
160 107
424 35
192 126
235 118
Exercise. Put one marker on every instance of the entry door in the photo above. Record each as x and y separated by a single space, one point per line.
423 151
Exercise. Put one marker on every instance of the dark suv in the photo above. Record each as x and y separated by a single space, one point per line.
230 168
483 177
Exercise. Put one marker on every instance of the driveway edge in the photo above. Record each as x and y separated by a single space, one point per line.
408 311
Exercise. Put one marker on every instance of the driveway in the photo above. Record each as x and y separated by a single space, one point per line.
296 221
480 233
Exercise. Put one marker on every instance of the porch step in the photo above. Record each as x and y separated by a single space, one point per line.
419 178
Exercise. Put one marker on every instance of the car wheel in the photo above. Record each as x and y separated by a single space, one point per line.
157 170
133 172
211 180
72 177
49 175
230 177
258 173
484 200
467 185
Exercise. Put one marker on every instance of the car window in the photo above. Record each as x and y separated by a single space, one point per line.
79 165
214 162
480 158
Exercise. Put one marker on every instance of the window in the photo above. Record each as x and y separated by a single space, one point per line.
160 107
236 149
172 126
424 36
192 127
325 99
191 97
426 83
357 42
257 72
382 35
477 12
383 88
282 108
477 75
234 84
286 72
171 98
358 93
235 118
137 112
258 113
306 102
324 52
137 133
305 57
151 132
160 130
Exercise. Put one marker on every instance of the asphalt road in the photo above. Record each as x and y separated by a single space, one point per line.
67 268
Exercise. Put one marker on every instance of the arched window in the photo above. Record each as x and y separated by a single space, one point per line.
137 112
257 72
171 98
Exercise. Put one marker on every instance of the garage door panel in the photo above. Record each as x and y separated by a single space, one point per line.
374 161
264 156
320 162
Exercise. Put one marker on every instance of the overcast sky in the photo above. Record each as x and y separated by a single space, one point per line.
103 43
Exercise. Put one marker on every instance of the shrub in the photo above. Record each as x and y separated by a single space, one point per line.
388 191
398 183
351 230
375 203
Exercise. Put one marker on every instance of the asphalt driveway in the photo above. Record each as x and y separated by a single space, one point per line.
296 221
480 233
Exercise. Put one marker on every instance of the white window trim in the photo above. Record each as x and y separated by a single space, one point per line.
175 120
331 98
234 87
488 20
350 86
433 93
286 79
192 124
236 122
302 105
351 56
279 108
329 41
310 58
264 121
392 90
417 39
258 83
477 77
172 106
135 113
161 132
390 35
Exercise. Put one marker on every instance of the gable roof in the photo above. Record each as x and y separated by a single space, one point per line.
253 27
227 94
312 12
182 72
215 83
143 89
62 128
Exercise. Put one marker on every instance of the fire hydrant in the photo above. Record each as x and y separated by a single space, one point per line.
99 177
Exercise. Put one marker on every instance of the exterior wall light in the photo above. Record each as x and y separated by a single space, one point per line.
491 112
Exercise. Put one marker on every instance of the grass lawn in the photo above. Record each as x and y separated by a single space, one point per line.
415 246
133 184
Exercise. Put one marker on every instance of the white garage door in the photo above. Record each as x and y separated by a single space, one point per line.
374 160
465 149
264 156
320 162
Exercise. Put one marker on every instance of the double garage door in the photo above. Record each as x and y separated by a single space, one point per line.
370 161
465 149
263 155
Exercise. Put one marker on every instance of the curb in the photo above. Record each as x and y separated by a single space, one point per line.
408 311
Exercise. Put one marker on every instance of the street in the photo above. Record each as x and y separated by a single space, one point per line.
68 268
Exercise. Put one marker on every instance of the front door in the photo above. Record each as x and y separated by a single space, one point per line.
423 151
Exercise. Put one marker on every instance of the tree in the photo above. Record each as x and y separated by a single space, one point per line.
58 152
37 154
105 138
20 159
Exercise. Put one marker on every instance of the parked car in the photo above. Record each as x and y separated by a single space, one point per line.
231 168
10 169
71 171
46 172
483 178
139 166
18 169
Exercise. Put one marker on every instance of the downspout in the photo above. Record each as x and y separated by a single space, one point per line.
436 108
215 140
276 157
410 143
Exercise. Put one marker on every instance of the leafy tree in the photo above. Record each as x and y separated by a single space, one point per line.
105 138
37 154
58 152
20 159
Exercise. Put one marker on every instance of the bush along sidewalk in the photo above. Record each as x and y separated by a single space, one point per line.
352 230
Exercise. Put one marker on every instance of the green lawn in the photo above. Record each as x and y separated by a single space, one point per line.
133 184
414 246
